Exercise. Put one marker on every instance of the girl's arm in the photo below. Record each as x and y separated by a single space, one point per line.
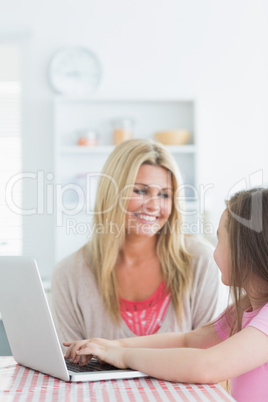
200 338
242 352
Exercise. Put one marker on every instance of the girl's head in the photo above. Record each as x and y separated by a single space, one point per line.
243 234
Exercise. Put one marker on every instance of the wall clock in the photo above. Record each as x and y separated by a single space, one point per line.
74 71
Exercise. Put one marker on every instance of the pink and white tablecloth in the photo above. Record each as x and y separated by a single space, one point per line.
18 383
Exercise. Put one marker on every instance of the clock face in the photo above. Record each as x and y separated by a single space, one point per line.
74 71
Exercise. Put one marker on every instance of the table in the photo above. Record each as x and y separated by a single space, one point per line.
18 384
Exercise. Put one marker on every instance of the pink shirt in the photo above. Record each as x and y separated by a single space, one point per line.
253 385
145 317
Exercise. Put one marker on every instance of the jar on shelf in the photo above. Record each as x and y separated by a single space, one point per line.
88 138
123 130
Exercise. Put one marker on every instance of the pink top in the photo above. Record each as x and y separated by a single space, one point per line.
253 385
145 317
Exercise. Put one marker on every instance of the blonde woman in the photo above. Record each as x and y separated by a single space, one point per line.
139 274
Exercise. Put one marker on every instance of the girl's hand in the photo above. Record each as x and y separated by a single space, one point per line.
81 352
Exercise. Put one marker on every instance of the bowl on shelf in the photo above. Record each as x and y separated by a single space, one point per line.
172 137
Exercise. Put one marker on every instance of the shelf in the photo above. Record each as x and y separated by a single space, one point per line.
76 149
95 99
178 149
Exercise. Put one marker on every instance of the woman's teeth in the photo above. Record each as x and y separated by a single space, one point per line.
147 218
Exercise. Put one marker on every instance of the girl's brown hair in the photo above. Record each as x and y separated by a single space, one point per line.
247 228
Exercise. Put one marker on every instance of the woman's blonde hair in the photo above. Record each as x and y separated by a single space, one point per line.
247 229
114 189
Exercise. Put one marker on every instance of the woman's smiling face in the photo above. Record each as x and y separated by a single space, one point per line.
151 201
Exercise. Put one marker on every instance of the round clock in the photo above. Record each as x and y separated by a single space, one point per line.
74 71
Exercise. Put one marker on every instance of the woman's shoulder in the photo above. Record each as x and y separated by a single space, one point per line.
201 255
72 266
198 246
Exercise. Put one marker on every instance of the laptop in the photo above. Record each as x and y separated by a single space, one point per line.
31 331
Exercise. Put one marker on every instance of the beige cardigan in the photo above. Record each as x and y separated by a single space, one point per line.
79 312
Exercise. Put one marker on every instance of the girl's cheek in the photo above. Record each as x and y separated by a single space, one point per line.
215 255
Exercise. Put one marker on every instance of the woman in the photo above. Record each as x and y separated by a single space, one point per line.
139 274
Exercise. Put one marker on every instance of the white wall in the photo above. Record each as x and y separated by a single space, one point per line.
212 51
233 102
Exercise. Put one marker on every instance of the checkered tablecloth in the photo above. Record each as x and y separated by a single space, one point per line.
18 383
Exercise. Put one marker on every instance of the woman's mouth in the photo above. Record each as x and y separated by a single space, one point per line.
147 218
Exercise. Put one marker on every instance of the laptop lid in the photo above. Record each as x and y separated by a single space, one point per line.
27 319
29 324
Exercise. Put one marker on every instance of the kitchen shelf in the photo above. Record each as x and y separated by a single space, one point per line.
74 149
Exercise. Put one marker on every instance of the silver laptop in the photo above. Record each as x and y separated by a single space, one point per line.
30 328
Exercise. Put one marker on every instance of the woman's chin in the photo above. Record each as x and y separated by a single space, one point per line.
142 232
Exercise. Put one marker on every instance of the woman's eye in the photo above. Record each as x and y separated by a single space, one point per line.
140 191
164 195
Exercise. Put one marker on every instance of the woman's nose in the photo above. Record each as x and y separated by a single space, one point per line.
152 204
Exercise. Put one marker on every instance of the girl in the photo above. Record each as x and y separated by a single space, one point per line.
235 346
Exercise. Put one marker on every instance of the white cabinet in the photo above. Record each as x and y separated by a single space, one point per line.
74 162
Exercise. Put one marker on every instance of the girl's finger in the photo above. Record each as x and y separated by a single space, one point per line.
89 349
83 361
73 347
68 352
88 358
84 351
76 346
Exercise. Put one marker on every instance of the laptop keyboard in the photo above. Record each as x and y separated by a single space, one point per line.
93 365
